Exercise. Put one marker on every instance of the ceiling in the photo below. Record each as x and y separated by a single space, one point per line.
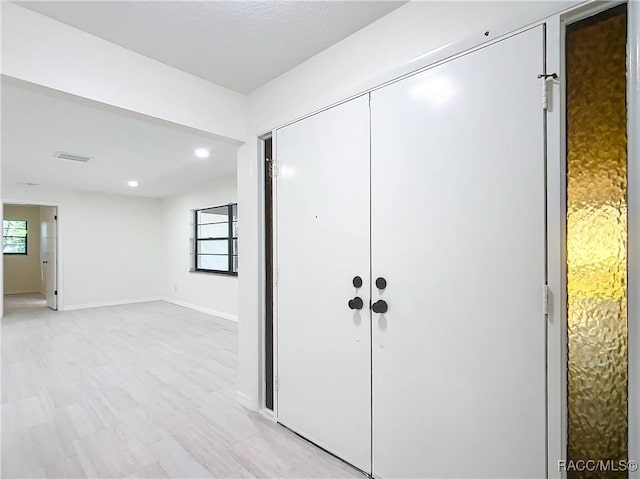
240 45
37 122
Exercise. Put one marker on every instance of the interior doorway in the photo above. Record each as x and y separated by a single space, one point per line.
30 247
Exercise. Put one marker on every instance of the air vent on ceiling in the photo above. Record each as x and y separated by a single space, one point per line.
63 155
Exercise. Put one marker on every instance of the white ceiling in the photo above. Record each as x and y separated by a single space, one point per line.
37 122
238 44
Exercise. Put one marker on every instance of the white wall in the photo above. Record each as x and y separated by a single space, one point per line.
392 44
22 272
112 246
213 293
40 50
398 39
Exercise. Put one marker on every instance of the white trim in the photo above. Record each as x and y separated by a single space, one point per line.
588 9
633 259
245 400
556 257
103 304
209 311
274 266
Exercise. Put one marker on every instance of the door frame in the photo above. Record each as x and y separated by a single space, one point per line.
59 247
557 435
262 284
262 175
633 248
556 210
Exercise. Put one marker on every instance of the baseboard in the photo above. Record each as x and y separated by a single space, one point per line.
209 311
11 293
119 302
245 400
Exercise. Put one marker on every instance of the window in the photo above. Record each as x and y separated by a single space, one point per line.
216 239
14 237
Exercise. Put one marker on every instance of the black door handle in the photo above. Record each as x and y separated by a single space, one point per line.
356 303
380 306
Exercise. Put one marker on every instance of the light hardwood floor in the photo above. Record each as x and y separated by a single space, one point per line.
143 390
23 303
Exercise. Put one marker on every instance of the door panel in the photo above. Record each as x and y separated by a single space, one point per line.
458 226
324 354
48 236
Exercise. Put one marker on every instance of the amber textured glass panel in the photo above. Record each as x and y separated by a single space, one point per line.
597 240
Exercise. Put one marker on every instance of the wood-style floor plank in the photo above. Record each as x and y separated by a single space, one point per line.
137 391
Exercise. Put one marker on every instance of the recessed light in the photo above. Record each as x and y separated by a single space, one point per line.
202 153
132 183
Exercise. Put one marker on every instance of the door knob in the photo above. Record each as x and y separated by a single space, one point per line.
381 283
380 306
357 282
356 303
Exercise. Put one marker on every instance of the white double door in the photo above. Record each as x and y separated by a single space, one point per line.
435 183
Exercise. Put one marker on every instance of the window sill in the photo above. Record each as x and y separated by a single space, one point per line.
207 271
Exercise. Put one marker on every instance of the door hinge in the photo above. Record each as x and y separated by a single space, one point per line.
55 217
55 292
545 300
545 88
276 382
273 168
